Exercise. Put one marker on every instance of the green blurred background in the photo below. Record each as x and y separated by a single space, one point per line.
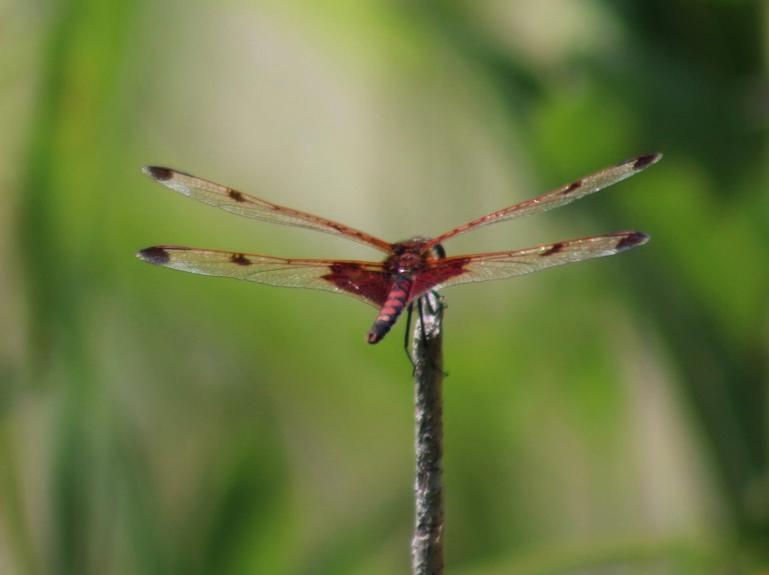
604 418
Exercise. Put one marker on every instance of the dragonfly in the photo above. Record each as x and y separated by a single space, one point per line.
410 268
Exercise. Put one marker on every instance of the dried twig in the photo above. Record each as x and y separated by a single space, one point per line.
427 544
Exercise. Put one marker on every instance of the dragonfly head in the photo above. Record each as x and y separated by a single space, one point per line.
416 245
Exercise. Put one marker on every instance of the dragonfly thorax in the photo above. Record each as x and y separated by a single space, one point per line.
408 257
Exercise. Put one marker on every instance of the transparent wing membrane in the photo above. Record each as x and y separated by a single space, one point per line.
558 197
364 280
242 204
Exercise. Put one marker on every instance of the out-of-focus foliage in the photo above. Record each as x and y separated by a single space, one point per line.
604 418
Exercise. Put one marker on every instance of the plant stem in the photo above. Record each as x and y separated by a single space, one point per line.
427 544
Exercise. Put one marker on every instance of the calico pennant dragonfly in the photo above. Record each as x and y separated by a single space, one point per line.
410 269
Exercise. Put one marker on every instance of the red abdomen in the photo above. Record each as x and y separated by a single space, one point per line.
392 308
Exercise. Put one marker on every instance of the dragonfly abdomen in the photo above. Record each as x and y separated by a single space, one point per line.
392 308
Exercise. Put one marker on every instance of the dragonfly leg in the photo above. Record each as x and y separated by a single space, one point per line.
409 312
431 308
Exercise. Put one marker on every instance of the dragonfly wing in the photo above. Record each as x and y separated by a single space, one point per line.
249 206
559 197
366 281
499 265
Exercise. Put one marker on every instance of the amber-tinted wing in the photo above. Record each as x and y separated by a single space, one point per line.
499 265
366 281
559 197
245 205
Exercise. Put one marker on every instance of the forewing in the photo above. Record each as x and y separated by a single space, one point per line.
249 206
559 197
366 281
499 265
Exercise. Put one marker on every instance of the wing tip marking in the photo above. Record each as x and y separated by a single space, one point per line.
158 173
154 255
631 240
646 160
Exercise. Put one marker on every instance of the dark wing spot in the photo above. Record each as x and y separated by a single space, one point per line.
154 255
158 173
553 249
236 195
646 160
240 259
571 187
631 240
